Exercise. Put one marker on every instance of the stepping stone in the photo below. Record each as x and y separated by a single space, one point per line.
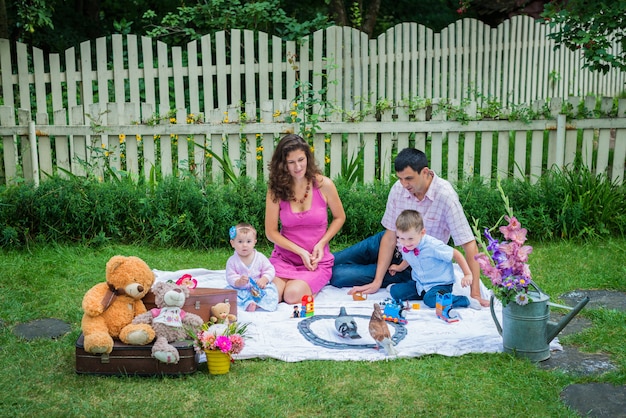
42 328
607 299
596 399
574 362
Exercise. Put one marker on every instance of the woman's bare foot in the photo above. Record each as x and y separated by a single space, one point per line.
251 307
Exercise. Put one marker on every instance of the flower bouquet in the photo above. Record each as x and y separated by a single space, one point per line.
219 342
506 262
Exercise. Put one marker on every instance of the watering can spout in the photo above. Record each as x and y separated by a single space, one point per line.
554 328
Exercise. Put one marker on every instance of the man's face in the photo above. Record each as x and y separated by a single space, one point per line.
414 182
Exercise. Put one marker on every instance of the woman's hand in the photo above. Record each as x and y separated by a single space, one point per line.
317 254
306 259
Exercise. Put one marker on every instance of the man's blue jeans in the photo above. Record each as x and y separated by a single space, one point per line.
356 265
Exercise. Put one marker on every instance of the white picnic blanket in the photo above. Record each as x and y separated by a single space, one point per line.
276 334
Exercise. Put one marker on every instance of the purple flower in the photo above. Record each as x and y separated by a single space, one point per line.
493 243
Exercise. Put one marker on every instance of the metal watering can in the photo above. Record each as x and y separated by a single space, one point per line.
526 330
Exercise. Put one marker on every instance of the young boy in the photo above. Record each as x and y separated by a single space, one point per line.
431 264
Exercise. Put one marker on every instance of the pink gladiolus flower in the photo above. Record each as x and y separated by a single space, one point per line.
505 263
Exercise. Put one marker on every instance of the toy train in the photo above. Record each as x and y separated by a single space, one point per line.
394 311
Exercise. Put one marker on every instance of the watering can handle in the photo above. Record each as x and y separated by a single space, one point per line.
533 284
493 315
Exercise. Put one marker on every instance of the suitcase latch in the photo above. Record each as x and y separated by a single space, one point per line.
197 304
104 359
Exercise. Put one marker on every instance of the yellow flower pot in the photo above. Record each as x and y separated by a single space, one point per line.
218 362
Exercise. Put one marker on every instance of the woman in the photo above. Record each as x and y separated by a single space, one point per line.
299 196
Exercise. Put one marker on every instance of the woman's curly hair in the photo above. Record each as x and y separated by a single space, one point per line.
280 180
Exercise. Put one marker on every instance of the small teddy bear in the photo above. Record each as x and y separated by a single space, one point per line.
220 314
168 320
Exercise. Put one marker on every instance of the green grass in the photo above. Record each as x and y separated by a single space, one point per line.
39 378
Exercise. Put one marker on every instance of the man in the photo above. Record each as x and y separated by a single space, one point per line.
365 265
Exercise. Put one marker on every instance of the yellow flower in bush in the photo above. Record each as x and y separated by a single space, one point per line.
138 137
122 138
326 159
172 120
276 113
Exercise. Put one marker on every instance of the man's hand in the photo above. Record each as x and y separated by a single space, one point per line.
366 289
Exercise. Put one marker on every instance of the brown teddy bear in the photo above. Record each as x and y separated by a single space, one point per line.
168 320
109 307
220 314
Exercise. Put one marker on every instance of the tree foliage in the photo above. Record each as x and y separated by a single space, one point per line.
193 21
55 25
592 26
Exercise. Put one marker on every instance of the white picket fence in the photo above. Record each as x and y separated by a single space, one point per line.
511 64
125 139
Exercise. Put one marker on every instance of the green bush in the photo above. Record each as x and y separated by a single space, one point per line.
183 212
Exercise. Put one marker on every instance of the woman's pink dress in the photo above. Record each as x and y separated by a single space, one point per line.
305 229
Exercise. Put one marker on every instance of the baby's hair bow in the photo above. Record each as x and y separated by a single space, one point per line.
232 232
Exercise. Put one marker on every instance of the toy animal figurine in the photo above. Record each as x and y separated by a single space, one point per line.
346 325
380 332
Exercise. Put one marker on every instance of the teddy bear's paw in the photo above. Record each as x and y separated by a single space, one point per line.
99 350
166 357
138 337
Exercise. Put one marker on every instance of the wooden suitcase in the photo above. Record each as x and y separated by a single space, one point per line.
134 360
201 300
